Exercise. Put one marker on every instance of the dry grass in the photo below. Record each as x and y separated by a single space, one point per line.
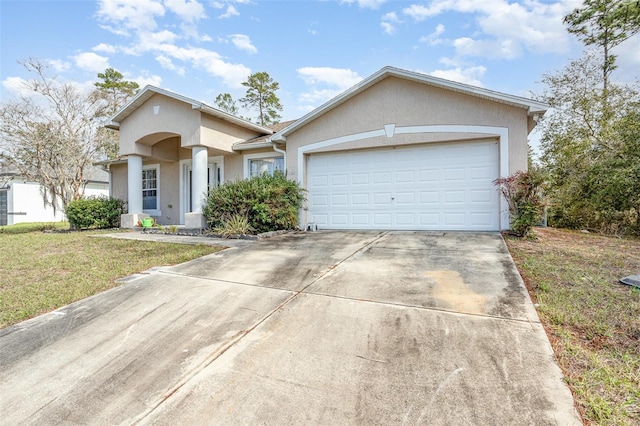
41 272
593 321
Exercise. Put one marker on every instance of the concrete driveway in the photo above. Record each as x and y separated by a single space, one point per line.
306 328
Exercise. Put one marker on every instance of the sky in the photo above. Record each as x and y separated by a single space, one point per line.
314 49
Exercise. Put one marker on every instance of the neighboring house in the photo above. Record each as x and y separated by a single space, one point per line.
400 150
21 200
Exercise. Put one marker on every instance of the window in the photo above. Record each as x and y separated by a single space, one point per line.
258 166
150 186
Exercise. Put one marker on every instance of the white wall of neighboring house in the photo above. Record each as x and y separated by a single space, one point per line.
24 202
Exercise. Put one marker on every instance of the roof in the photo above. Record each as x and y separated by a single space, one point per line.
262 141
145 94
532 107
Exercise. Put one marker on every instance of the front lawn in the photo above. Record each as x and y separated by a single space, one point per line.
592 321
41 272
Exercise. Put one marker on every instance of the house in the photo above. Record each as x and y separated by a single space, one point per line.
399 150
21 199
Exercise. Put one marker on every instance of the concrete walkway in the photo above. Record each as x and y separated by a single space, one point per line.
306 328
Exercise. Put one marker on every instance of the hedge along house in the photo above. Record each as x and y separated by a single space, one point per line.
400 150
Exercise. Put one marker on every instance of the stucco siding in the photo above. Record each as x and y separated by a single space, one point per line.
406 103
221 135
233 167
172 117
119 181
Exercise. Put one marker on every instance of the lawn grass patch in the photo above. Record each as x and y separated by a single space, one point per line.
22 228
41 272
592 321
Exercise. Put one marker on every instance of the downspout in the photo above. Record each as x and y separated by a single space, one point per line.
281 151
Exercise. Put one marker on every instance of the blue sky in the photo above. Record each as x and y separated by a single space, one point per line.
314 49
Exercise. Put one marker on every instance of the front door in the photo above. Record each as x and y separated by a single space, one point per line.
214 178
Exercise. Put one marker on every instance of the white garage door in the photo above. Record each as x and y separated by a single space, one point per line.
426 187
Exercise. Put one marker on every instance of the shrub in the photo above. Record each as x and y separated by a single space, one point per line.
234 225
522 190
268 202
95 212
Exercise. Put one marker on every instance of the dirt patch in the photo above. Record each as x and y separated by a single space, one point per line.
451 290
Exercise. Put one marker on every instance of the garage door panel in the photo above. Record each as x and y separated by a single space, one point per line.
381 178
429 197
360 179
381 198
405 198
432 175
430 187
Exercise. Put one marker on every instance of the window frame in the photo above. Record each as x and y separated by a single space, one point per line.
260 156
157 211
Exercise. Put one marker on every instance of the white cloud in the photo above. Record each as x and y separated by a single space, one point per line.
59 65
166 63
318 96
90 61
469 75
128 15
140 20
146 78
211 62
342 78
507 28
388 22
243 42
231 11
365 4
105 48
188 10
627 60
326 83
434 39
17 86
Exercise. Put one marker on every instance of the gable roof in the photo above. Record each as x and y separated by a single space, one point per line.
261 141
532 107
145 94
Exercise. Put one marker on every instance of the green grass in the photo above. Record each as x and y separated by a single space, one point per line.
21 228
592 321
41 272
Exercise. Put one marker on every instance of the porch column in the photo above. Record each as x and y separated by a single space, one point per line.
134 191
199 157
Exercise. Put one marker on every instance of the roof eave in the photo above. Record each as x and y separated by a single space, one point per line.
248 146
533 107
148 91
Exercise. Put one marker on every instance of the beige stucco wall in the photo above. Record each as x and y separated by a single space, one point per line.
174 117
408 103
221 135
119 181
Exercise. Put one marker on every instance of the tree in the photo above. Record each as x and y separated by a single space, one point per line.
52 136
225 102
261 95
114 93
588 145
115 90
605 23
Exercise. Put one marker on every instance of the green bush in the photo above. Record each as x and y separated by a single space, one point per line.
522 190
95 212
269 203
